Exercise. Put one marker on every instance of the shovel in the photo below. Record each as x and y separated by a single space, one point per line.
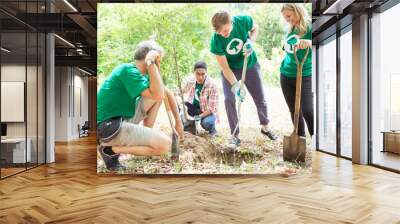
294 146
175 138
244 71
190 126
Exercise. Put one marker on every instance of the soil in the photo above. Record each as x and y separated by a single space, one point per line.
203 154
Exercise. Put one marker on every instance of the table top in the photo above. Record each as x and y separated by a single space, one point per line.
13 140
392 131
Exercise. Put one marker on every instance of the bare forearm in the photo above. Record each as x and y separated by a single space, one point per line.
156 85
205 113
172 104
226 70
228 74
254 33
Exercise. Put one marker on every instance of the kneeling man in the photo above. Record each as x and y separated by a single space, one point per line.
133 94
202 101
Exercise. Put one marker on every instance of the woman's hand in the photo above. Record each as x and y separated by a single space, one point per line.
303 44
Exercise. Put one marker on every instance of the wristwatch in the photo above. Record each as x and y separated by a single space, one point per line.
150 62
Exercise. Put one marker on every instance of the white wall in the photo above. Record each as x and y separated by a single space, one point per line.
33 127
12 73
61 103
70 83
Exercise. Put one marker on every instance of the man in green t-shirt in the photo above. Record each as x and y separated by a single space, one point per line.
133 94
232 40
202 100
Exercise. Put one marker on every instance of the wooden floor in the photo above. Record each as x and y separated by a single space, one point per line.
70 191
387 159
10 171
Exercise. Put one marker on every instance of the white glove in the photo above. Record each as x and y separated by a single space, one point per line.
240 93
248 47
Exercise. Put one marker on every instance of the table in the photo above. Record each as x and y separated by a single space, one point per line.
13 150
391 141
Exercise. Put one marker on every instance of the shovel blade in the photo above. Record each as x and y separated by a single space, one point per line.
294 148
174 147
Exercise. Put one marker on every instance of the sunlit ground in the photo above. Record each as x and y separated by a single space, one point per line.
204 155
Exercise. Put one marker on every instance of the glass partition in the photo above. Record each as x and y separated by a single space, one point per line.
385 90
327 95
22 64
346 93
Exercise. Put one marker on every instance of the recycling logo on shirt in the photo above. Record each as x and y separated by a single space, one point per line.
196 96
290 42
234 46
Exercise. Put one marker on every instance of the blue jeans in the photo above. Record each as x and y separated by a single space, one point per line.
208 123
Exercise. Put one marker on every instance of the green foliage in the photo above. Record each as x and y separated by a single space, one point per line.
269 19
184 30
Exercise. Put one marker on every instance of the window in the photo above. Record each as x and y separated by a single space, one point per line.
327 96
385 85
22 76
346 93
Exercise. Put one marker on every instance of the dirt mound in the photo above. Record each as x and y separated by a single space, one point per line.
203 154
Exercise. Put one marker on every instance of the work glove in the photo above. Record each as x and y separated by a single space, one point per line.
240 93
248 47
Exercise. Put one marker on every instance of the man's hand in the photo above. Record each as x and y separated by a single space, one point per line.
179 130
197 117
240 93
247 47
158 63
152 56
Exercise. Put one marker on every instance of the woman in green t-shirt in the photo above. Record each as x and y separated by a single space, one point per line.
299 29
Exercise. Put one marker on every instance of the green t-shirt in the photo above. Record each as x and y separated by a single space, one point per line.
196 98
232 46
288 65
119 94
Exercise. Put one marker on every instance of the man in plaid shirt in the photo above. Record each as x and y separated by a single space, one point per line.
202 102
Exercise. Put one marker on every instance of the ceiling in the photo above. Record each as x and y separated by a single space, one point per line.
330 15
73 21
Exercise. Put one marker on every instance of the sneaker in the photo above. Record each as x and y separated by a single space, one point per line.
213 133
109 157
234 142
271 135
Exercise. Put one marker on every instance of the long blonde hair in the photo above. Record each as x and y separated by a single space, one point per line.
301 13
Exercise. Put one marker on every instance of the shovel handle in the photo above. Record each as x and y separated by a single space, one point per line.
244 71
298 88
168 109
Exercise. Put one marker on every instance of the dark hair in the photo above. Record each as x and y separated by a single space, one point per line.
200 64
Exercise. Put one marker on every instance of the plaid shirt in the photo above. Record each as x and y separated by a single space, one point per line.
208 95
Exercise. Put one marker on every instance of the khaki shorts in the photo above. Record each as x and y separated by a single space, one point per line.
131 132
